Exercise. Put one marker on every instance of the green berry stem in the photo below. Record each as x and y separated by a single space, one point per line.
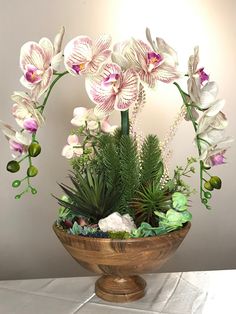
26 156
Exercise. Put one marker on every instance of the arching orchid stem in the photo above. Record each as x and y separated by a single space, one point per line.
50 89
184 98
125 122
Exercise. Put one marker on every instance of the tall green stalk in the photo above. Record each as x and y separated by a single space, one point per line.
125 122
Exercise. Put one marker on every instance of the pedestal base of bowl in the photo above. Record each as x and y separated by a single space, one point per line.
120 289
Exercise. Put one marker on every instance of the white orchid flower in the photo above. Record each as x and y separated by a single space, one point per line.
25 113
18 141
215 154
80 115
72 149
213 118
207 95
197 77
87 117
81 56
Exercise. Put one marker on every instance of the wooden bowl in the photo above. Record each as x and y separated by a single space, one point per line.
120 261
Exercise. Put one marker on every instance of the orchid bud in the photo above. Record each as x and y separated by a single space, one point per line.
58 40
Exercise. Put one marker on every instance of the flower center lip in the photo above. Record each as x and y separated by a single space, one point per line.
218 159
153 60
33 74
78 67
202 75
112 80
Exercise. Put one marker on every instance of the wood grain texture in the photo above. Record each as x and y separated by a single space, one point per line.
118 260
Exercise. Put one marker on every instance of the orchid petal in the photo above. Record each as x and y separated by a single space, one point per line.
77 52
106 107
167 74
215 108
129 90
47 47
193 62
120 60
73 139
220 122
92 125
97 61
99 93
169 53
31 53
23 137
26 84
57 60
58 40
40 88
80 112
7 130
208 95
101 44
67 151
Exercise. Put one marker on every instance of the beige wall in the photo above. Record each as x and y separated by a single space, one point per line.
28 247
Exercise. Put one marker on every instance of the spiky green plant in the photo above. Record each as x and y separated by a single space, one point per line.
90 197
148 199
151 162
129 171
150 196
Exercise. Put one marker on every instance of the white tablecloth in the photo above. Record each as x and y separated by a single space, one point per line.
211 292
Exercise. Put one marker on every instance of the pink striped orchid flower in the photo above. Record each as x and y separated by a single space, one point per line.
158 62
81 56
37 61
113 89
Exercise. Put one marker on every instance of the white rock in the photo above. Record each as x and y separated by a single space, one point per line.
116 222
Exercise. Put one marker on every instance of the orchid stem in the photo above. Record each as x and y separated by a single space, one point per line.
184 95
50 89
125 122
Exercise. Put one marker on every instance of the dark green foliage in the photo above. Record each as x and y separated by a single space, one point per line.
151 161
90 197
108 160
118 161
129 170
119 179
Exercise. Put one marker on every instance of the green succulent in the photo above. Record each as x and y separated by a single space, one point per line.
173 218
77 229
179 201
90 197
146 230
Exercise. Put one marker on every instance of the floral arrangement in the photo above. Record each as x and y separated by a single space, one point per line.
121 187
